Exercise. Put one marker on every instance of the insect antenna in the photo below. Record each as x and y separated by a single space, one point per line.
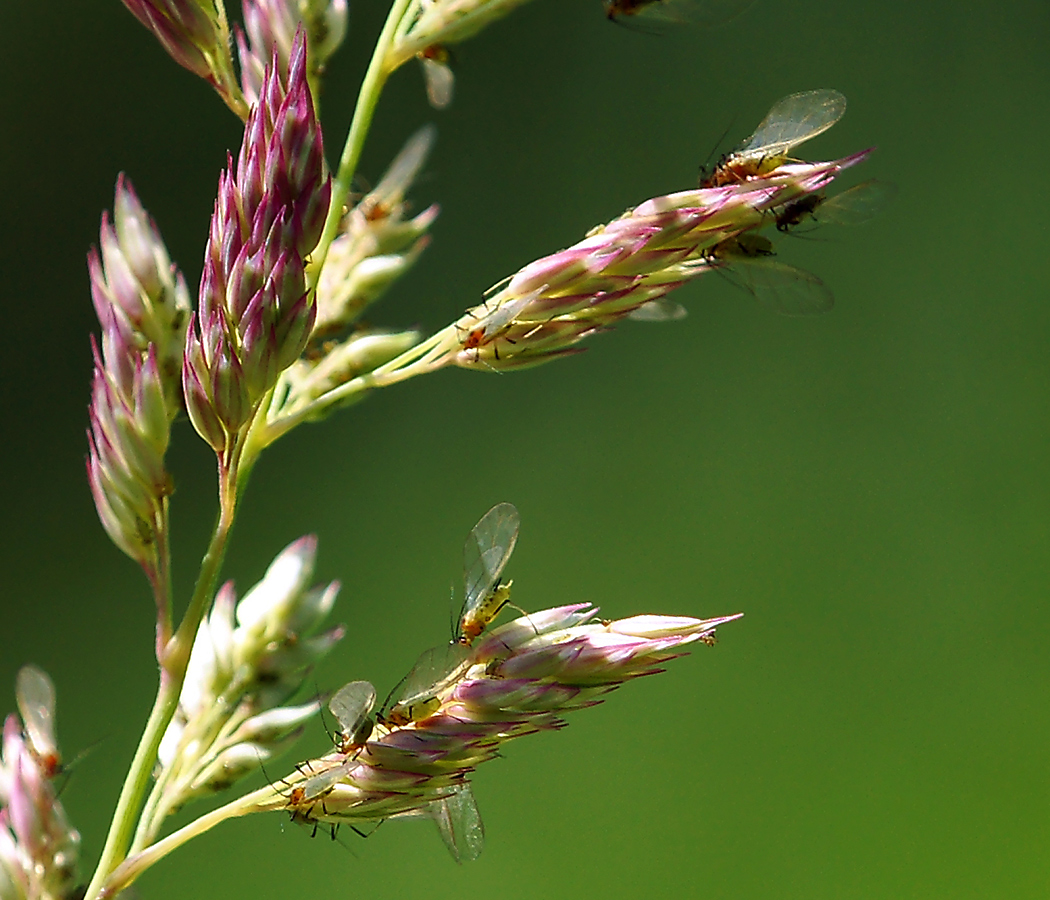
380 716
705 172
453 619
322 698
488 292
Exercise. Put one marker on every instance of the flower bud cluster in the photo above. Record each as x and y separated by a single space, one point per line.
143 307
140 296
516 681
309 379
195 35
377 244
270 25
553 303
248 659
255 313
38 847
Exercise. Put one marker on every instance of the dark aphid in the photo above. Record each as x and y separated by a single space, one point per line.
855 206
795 212
747 262
705 13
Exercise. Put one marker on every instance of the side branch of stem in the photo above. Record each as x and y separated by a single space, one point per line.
367 99
132 867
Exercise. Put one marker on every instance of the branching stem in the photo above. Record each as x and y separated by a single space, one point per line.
172 674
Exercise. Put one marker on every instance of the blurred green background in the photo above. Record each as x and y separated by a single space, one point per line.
870 486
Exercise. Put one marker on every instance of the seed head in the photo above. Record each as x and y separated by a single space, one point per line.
270 26
140 297
518 680
255 314
550 305
248 659
195 36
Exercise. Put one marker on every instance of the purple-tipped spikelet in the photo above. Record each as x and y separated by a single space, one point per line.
195 35
38 847
139 294
518 680
552 304
186 29
270 26
255 313
127 439
143 307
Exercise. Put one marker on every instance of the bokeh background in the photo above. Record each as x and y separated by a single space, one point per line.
870 486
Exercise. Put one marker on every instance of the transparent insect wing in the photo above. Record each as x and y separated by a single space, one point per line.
486 552
705 13
406 165
503 314
35 695
351 705
784 289
659 310
459 824
434 671
857 205
796 118
320 784
440 82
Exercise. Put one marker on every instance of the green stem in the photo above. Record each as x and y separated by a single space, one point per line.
426 356
367 99
162 581
213 729
132 867
136 782
226 83
172 675
147 827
